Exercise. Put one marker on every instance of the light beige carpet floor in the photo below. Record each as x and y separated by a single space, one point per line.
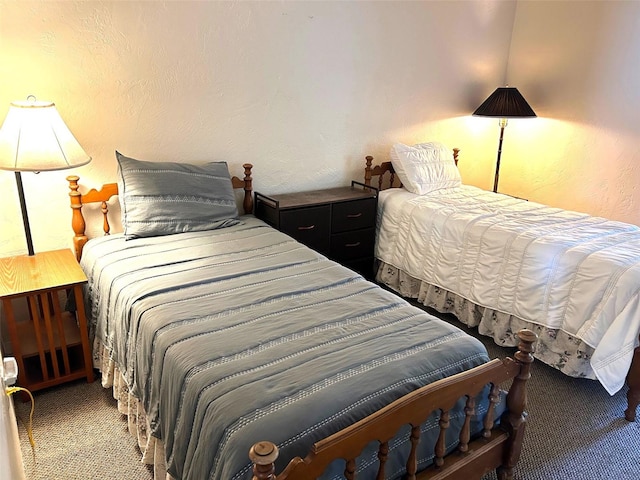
79 435
576 431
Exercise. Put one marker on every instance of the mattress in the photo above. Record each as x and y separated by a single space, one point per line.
232 336
560 269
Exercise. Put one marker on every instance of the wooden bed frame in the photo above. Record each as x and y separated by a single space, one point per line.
386 167
387 179
498 447
110 190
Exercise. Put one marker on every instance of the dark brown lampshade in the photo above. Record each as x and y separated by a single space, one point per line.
505 102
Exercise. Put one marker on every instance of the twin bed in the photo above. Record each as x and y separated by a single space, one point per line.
502 264
236 351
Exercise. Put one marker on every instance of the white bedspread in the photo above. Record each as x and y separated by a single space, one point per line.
557 268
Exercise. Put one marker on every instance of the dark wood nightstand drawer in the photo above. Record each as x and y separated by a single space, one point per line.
337 222
309 225
353 215
352 245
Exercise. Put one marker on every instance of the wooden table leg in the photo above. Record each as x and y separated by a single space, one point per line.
16 351
633 381
84 335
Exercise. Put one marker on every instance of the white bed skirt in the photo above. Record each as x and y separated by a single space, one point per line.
554 347
152 448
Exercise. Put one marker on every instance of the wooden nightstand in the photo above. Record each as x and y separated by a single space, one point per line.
51 345
337 222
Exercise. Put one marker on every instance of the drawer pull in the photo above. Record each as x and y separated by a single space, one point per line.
354 215
357 244
310 227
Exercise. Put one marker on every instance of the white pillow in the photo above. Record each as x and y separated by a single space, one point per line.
425 167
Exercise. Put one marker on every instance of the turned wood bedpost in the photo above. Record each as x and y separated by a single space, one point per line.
263 455
633 381
456 151
368 170
514 419
77 220
247 204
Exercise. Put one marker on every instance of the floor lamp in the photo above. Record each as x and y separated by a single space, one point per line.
504 103
34 138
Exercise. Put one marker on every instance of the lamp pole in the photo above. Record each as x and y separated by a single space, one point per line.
25 217
503 123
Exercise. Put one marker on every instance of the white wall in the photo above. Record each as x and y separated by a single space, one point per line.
577 65
303 90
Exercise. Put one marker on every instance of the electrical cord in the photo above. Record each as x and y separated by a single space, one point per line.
11 391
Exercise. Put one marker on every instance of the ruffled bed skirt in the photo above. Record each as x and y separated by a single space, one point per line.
565 352
152 448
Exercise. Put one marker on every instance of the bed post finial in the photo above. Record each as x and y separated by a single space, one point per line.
514 418
368 170
77 220
456 151
263 455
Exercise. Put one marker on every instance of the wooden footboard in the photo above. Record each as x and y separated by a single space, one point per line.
497 448
109 190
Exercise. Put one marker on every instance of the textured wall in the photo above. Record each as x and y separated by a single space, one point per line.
577 64
303 90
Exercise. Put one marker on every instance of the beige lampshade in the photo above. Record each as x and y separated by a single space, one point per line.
34 138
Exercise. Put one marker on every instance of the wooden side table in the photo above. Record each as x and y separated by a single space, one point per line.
51 345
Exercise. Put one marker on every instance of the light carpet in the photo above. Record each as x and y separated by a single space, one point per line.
575 431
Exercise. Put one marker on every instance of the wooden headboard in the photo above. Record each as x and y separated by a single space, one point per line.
109 190
386 167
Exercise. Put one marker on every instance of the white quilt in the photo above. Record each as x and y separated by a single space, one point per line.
557 268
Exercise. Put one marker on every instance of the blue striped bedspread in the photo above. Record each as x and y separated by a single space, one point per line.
242 334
